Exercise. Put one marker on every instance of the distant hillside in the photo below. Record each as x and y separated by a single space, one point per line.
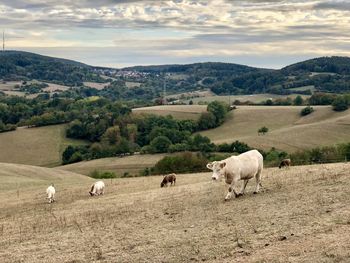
19 65
326 74
337 65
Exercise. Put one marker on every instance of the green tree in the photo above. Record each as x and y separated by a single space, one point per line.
206 121
219 110
298 100
340 104
112 135
160 144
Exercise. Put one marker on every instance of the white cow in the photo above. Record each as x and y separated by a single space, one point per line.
242 167
97 188
50 191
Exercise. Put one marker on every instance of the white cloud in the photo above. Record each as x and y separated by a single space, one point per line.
183 28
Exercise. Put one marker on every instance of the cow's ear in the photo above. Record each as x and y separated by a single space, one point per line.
210 166
222 165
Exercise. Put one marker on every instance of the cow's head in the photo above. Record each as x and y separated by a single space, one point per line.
162 184
217 168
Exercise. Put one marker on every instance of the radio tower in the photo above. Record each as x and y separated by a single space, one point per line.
3 40
164 90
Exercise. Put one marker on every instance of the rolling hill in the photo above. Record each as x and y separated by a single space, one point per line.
35 146
287 129
301 214
20 65
18 176
327 74
130 164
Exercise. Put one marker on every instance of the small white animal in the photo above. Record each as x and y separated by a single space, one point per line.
97 188
50 191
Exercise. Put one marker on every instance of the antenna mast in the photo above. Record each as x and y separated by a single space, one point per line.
164 90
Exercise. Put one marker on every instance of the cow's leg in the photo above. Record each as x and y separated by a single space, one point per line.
258 182
231 190
243 187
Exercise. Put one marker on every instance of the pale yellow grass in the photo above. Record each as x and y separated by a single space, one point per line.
54 87
287 129
130 84
177 111
14 93
36 146
9 85
131 164
301 215
255 98
96 85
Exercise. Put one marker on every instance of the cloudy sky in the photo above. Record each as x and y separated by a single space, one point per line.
264 33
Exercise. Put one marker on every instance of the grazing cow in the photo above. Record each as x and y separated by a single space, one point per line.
97 188
170 178
50 191
242 167
285 163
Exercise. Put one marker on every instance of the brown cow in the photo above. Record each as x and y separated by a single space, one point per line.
170 178
285 163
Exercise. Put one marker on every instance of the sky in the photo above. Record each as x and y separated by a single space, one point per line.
119 33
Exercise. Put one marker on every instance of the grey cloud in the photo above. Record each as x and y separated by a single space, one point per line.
336 5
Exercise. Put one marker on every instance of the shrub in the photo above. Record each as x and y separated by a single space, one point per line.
102 175
181 163
306 111
263 130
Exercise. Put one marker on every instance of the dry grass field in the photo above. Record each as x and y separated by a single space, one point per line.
177 111
131 84
301 215
287 129
41 146
255 98
96 85
131 164
54 87
9 85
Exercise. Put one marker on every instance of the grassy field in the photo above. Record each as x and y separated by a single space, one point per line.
301 215
36 146
96 85
255 98
131 84
177 111
9 85
131 164
287 129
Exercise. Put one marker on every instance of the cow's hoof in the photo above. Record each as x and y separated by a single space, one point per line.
238 195
255 193
226 199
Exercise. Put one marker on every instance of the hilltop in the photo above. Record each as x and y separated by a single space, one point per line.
20 65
